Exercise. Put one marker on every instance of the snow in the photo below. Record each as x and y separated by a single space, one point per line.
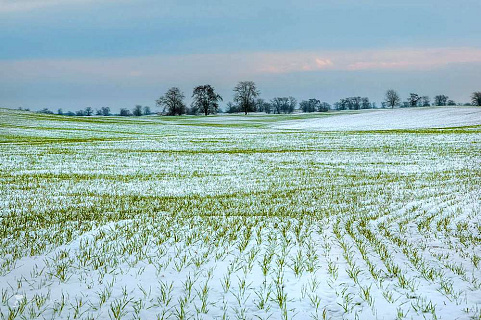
391 119
156 219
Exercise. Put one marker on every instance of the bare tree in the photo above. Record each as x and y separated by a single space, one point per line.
476 98
291 105
440 100
284 104
392 98
137 111
313 105
324 107
277 103
89 111
172 102
263 106
413 99
365 103
125 112
341 105
106 111
205 99
354 103
310 105
245 93
426 101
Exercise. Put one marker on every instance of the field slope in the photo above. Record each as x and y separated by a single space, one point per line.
264 216
389 119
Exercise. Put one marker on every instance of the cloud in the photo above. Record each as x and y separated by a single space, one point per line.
353 60
288 62
411 59
231 67
322 63
125 82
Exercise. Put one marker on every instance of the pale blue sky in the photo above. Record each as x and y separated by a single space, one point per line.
70 54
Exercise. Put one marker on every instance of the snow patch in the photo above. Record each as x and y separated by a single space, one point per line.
390 119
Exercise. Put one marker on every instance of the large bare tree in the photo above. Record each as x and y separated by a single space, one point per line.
392 98
205 99
172 102
245 93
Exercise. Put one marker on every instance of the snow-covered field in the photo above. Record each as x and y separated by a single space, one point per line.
227 218
389 119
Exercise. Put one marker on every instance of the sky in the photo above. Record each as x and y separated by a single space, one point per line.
71 54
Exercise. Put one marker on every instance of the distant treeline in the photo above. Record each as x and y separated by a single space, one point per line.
138 110
247 99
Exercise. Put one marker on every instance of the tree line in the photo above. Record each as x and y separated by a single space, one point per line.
246 98
392 99
138 110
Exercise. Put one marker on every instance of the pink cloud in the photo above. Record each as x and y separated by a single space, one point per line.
232 67
387 59
322 63
290 62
